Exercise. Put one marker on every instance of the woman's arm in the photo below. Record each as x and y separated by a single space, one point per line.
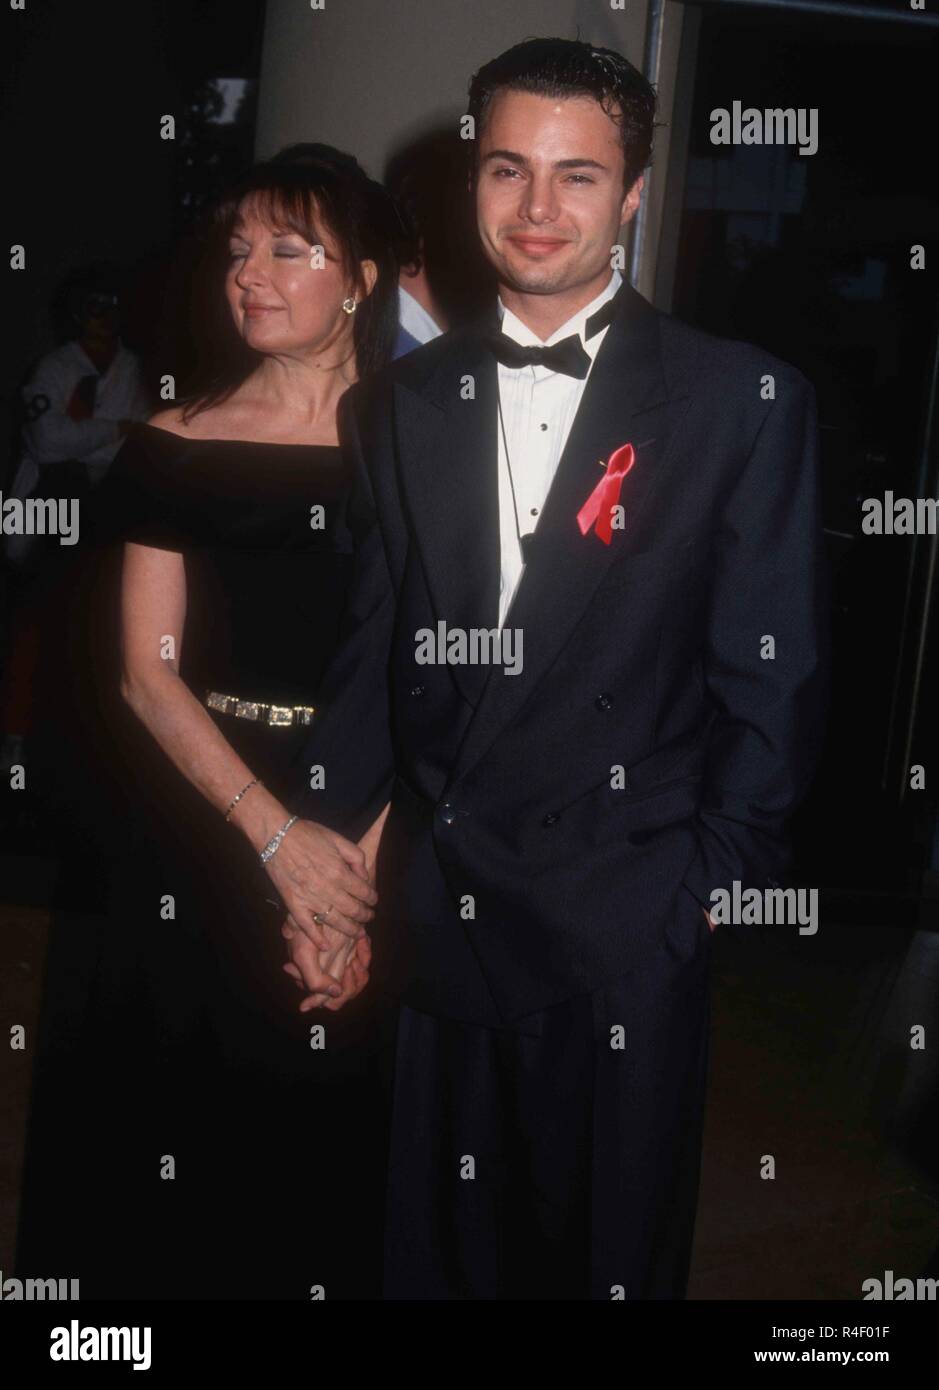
153 614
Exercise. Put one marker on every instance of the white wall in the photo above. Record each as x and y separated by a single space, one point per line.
370 75
367 75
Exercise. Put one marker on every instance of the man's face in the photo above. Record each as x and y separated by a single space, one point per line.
549 191
100 317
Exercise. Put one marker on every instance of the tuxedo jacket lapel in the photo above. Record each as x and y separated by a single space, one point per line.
447 437
626 400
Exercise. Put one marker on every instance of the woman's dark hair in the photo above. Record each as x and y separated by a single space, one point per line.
568 68
308 189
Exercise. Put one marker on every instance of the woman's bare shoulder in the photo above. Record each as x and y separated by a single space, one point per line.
222 421
171 421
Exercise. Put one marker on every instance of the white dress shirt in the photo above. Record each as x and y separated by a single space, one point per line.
538 409
414 318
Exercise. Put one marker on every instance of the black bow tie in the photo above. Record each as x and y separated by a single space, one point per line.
567 356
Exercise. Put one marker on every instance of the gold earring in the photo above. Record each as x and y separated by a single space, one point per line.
348 305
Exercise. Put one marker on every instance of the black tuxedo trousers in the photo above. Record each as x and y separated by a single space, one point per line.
558 1163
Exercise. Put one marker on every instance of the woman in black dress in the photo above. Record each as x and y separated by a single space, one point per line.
222 1098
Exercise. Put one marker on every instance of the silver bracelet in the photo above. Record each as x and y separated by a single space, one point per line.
255 782
273 845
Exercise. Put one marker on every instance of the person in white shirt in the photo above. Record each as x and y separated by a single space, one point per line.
78 403
65 419
82 397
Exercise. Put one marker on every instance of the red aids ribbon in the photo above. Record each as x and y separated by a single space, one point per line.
605 496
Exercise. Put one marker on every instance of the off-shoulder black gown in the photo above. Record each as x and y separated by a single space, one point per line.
171 1040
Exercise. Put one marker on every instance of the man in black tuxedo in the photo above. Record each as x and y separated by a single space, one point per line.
584 663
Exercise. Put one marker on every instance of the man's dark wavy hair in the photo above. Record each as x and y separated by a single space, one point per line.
569 68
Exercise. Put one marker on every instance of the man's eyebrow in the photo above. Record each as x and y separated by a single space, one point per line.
575 163
579 164
511 155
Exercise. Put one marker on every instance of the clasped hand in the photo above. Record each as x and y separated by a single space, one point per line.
333 975
327 883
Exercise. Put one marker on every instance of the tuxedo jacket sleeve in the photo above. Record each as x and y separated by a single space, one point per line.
351 738
764 658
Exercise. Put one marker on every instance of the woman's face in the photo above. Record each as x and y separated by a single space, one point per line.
285 296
